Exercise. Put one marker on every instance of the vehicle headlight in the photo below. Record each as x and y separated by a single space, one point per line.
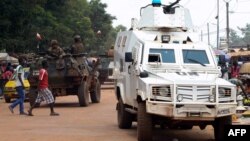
161 91
225 92
222 91
164 91
179 97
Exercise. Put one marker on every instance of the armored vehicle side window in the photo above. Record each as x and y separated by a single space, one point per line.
119 41
167 55
156 57
124 41
195 57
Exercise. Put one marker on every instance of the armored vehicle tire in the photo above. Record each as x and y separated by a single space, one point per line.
219 127
124 118
144 123
83 94
7 99
32 97
186 127
95 93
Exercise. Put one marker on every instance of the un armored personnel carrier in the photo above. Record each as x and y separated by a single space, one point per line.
70 75
164 75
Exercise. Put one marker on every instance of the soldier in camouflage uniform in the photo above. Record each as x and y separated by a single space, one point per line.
77 47
55 49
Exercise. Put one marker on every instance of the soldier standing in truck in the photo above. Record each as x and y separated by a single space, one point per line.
55 49
78 46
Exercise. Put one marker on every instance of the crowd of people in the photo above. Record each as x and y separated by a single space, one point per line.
44 94
229 71
6 71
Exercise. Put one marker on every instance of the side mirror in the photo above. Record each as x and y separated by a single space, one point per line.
128 57
143 74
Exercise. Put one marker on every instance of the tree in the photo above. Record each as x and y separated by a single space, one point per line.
102 22
235 40
54 19
242 40
246 34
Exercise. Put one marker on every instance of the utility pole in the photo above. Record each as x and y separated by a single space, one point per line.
218 21
227 28
208 34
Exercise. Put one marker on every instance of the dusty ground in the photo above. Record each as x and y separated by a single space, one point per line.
97 122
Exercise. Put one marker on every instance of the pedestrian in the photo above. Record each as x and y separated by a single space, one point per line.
224 70
18 76
235 69
44 94
7 75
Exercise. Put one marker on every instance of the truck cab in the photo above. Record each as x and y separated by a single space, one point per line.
165 75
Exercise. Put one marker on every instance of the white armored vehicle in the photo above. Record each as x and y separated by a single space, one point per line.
165 76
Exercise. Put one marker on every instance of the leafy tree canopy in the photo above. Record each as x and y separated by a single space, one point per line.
54 19
243 40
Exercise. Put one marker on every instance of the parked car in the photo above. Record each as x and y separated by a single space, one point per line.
10 91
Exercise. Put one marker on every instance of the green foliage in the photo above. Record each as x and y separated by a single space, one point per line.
243 40
246 34
54 19
235 39
101 25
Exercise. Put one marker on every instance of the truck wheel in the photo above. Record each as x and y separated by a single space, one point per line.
32 97
83 94
95 93
124 118
7 99
144 123
219 127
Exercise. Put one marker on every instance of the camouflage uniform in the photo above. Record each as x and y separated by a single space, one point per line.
55 49
77 47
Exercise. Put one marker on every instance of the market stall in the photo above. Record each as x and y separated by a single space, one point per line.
4 57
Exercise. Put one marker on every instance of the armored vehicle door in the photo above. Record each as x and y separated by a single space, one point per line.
133 70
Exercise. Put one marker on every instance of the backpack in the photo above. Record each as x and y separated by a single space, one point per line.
15 74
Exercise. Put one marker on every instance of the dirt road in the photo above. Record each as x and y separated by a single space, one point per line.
97 122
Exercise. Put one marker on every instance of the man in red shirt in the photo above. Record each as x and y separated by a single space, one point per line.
44 94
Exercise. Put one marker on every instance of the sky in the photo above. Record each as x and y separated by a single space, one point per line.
202 13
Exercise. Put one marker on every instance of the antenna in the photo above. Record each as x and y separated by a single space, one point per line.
167 9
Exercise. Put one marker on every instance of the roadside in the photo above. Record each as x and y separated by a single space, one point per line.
97 122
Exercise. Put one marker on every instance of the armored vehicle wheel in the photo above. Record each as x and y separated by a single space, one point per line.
32 97
219 127
95 93
83 94
7 99
124 117
186 127
144 123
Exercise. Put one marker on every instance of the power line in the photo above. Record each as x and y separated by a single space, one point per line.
214 32
232 12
